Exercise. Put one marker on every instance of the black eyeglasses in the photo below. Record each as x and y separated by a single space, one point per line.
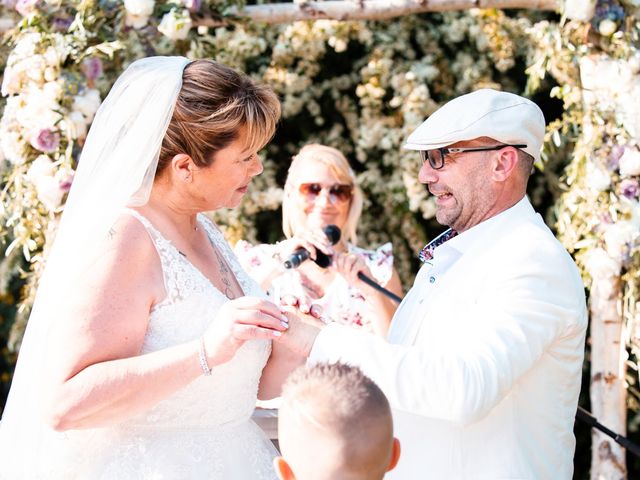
337 193
436 156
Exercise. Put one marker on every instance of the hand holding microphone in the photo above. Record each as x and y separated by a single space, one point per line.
331 235
350 264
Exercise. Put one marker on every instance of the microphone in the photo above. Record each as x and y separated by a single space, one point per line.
322 259
333 234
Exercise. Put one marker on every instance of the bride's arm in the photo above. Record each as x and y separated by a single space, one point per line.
280 364
288 353
96 375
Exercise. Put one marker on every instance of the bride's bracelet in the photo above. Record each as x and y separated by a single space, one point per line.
202 356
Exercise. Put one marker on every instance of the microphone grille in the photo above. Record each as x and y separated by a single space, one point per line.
333 233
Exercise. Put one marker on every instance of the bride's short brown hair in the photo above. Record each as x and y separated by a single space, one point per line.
214 104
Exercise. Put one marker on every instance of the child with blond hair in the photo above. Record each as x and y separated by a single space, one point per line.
334 424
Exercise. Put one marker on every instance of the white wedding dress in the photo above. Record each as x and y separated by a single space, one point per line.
203 431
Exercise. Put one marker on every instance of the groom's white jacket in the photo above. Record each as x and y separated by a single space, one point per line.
483 361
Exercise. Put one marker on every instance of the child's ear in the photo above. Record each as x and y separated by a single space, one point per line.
395 455
283 470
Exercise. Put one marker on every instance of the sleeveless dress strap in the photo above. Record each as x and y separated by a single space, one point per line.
170 261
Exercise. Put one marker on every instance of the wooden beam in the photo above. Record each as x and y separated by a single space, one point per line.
273 13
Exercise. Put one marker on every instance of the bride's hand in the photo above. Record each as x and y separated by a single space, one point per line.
239 320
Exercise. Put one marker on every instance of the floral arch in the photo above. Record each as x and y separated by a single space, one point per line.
359 76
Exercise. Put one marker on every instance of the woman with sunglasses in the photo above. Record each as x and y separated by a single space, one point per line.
320 190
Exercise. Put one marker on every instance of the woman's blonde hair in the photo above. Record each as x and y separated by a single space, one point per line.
214 104
338 165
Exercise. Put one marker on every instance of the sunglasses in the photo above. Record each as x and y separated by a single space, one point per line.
337 193
436 156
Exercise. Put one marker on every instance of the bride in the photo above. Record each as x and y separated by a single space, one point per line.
146 344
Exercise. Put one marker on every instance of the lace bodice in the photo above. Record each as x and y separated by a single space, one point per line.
203 431
192 302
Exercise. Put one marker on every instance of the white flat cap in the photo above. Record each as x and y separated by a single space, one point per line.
503 116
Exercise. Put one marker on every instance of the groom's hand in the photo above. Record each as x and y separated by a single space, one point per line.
302 332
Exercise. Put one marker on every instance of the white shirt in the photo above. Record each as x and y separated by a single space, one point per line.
484 358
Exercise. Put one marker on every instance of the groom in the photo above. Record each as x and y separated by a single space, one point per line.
483 361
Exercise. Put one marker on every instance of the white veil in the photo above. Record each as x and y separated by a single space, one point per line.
116 170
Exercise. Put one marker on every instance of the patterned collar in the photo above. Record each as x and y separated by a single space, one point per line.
426 253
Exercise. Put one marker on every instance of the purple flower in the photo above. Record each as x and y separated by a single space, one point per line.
630 188
45 140
61 24
614 157
8 3
92 68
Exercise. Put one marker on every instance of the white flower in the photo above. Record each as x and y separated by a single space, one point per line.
41 167
632 207
607 27
34 67
52 91
139 7
78 123
580 9
600 265
26 7
45 179
27 45
618 238
386 143
12 146
597 178
37 110
11 81
634 61
52 57
630 162
338 44
138 12
49 192
176 24
87 103
50 74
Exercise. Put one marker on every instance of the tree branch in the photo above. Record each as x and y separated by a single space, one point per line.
369 9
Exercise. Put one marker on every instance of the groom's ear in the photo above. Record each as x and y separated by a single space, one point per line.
283 470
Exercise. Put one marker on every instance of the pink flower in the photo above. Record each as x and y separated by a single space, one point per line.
45 140
65 183
193 5
630 188
25 7
92 68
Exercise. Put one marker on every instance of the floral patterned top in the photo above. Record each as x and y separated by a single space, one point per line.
341 302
